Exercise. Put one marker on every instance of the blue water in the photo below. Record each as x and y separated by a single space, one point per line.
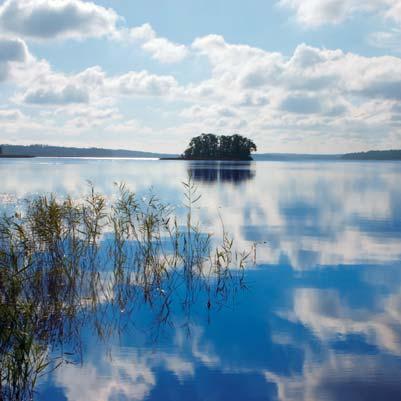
320 319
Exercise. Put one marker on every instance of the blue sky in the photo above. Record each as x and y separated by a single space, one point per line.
295 75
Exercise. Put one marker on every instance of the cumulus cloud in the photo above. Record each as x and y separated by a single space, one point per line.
214 117
394 10
12 50
68 94
386 39
214 111
143 83
77 19
128 127
160 48
295 98
301 104
312 91
319 12
40 85
308 70
79 103
49 19
44 87
10 115
13 120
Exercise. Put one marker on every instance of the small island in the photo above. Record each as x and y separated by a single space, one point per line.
218 147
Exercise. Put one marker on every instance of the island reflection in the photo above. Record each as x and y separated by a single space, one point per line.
221 171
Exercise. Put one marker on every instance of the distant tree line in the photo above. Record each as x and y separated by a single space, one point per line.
62 151
223 147
374 155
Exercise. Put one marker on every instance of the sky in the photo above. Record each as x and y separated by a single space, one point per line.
296 76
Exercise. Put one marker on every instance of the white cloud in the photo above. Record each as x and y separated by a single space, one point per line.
214 111
160 48
10 115
128 126
318 12
213 118
66 95
51 19
42 86
13 120
12 50
45 88
394 10
313 93
144 33
301 104
143 83
309 71
301 98
314 89
77 19
386 40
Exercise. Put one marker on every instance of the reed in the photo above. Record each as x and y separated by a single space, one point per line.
66 263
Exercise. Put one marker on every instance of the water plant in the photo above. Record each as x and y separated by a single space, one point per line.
65 262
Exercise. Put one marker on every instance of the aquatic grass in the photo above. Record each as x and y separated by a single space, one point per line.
67 263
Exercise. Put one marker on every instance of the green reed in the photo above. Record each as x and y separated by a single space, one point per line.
64 263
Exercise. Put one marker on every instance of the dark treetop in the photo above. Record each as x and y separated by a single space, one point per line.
214 147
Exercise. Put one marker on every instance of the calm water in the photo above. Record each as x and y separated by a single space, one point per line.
321 318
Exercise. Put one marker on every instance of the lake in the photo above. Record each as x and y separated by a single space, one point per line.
319 319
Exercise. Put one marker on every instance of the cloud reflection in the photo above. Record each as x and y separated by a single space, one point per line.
309 213
322 319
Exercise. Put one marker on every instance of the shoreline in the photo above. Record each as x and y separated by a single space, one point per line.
206 159
16 157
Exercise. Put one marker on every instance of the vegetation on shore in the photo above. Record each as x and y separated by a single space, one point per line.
65 264
62 151
213 147
374 155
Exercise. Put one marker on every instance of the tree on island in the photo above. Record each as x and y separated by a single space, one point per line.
214 147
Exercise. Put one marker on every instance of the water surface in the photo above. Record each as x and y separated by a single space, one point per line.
321 316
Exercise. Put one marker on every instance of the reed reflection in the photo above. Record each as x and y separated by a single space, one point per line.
65 265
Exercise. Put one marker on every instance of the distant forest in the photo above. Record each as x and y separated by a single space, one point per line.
374 155
61 151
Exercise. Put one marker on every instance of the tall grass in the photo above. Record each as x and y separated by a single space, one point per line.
64 262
